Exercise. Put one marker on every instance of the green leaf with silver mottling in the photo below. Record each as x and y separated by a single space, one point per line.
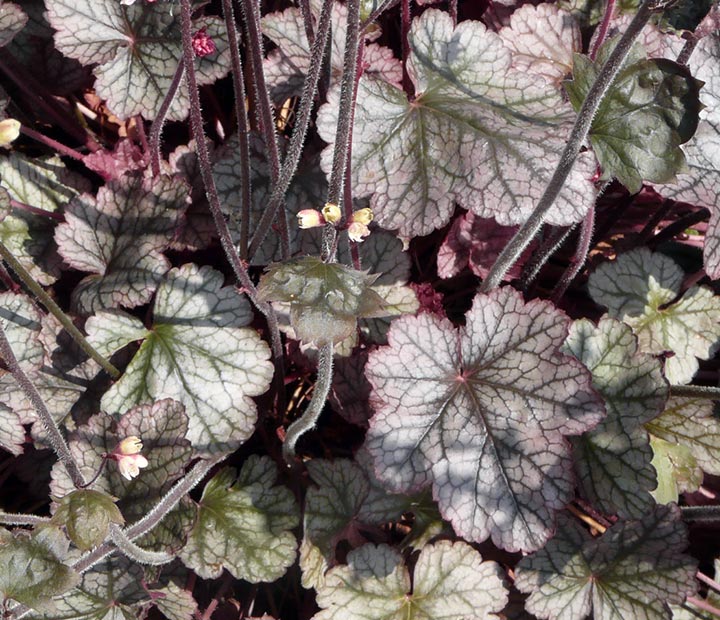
638 287
633 571
244 525
613 459
449 581
198 351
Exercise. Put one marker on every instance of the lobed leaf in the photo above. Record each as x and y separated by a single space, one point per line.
450 581
136 50
480 414
12 21
633 571
650 110
613 459
244 525
478 133
677 470
638 287
198 352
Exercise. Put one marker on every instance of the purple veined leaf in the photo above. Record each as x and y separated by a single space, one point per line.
44 183
285 67
478 133
639 288
700 185
244 525
174 602
656 43
12 21
481 413
119 235
543 39
162 427
449 581
633 571
126 157
200 351
136 50
613 459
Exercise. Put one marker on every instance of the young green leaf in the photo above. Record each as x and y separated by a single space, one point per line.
87 515
136 49
478 133
692 423
30 570
677 470
638 287
244 525
481 414
119 236
651 109
613 459
449 581
198 352
633 571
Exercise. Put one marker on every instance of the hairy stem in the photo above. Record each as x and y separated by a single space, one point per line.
549 246
579 133
56 311
700 513
308 419
297 140
136 553
8 518
603 28
695 391
243 126
203 156
157 126
57 441
578 260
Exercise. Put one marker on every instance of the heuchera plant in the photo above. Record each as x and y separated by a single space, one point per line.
359 309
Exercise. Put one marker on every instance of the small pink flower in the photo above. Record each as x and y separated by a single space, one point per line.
127 454
202 44
357 231
310 218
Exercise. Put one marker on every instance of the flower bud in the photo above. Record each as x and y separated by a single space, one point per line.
310 218
331 212
202 43
9 131
357 231
363 216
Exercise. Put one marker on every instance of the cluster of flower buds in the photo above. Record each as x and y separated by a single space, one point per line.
331 214
202 44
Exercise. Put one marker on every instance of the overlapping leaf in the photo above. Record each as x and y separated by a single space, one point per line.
46 184
632 571
700 185
543 39
677 470
691 423
449 581
478 133
120 235
244 525
198 352
638 287
162 427
286 67
613 459
12 21
31 571
136 49
651 109
480 413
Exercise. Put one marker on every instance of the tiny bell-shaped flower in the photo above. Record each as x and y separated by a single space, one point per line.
363 216
331 212
202 44
310 218
9 131
127 454
357 231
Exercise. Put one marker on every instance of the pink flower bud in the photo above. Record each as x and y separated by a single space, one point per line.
357 231
202 44
310 218
127 454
